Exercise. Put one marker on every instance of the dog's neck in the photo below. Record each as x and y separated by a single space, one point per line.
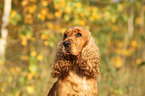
74 75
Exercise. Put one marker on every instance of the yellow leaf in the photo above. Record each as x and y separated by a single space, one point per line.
117 61
24 3
44 3
138 20
92 18
30 89
18 69
28 36
121 7
68 9
39 57
113 19
78 5
33 53
24 42
138 61
10 78
57 6
115 91
62 3
127 52
41 16
58 14
4 84
2 89
95 15
32 9
33 0
17 93
44 36
95 9
133 43
13 14
46 43
44 11
29 76
82 22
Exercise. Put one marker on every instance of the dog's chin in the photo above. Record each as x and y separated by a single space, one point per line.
69 55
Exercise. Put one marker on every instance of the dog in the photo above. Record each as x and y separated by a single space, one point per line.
76 64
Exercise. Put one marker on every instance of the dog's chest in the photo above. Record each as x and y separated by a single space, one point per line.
80 85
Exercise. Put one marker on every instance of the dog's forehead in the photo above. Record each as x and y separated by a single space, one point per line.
77 29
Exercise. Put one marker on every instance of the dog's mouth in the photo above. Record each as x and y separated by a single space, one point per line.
69 55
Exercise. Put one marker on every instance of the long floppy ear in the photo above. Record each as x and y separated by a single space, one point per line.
89 63
60 65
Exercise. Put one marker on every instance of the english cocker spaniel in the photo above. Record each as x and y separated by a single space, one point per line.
76 64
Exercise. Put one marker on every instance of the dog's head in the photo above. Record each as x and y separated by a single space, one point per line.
74 40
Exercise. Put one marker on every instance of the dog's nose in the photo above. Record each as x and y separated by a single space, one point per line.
66 43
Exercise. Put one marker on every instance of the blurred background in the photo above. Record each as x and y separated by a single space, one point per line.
31 29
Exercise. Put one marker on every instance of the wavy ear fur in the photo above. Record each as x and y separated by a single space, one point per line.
61 66
89 60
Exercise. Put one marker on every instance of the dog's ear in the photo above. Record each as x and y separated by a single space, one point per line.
60 65
90 59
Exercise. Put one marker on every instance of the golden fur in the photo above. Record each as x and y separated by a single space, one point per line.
76 64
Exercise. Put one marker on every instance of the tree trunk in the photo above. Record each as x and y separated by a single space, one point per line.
142 29
129 34
4 30
130 24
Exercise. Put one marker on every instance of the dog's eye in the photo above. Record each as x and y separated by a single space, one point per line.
65 36
78 35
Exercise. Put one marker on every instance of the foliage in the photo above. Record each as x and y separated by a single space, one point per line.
36 26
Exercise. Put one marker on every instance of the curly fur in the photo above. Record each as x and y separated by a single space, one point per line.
86 64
